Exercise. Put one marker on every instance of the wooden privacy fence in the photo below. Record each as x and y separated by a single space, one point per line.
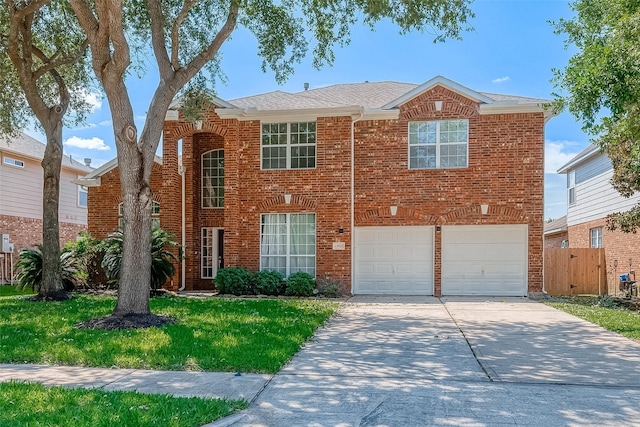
572 271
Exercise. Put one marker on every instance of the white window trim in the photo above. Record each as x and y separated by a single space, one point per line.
289 146
571 186
288 240
598 237
202 180
83 189
437 145
10 161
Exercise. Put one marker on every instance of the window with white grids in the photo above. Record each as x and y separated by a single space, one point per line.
208 259
213 179
288 243
288 145
438 144
571 185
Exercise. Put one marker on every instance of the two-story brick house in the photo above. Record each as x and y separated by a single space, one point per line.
390 188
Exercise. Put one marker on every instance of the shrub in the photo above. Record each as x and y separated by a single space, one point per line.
234 280
161 260
29 268
329 287
88 253
269 283
300 284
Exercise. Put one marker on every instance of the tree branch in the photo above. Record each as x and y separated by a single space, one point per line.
187 72
175 32
51 64
158 39
21 9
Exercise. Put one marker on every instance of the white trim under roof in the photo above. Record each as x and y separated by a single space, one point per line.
177 103
581 157
442 81
275 116
108 167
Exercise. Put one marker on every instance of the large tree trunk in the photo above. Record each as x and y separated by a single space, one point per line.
51 287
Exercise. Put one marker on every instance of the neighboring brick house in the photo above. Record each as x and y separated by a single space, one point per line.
556 234
389 188
590 198
21 183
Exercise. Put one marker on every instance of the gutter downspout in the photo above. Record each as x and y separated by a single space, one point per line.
181 170
359 116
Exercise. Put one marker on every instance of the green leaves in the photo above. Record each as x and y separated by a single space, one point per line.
602 86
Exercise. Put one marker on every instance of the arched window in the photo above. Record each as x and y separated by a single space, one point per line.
213 179
155 215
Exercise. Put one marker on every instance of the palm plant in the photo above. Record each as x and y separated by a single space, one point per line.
162 267
29 269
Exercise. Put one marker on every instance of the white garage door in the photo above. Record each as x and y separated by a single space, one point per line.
394 260
484 260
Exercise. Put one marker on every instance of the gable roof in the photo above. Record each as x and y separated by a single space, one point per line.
556 226
370 98
93 179
29 147
588 153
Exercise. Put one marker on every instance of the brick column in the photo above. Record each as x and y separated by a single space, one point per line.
170 194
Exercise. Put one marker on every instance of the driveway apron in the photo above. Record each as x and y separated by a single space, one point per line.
420 361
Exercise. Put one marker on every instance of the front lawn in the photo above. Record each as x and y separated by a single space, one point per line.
10 290
26 404
245 335
621 320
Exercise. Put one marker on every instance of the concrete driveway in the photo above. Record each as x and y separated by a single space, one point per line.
418 361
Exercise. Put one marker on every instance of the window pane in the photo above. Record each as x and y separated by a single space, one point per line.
213 179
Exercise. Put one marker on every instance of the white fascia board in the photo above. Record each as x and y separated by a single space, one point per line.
87 182
109 166
378 114
275 116
579 159
439 81
176 104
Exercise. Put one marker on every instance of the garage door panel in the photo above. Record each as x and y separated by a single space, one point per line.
394 260
484 260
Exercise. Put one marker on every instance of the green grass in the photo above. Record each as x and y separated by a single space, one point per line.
26 404
10 290
620 320
246 335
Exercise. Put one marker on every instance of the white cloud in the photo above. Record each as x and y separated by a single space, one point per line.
500 79
106 123
94 143
556 155
94 100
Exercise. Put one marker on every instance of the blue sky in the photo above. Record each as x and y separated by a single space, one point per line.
512 51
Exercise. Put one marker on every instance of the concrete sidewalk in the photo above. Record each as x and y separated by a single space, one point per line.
177 383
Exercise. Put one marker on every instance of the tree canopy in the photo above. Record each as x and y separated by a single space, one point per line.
602 88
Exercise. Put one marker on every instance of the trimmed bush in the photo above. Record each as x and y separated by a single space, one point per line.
29 268
300 284
234 280
269 283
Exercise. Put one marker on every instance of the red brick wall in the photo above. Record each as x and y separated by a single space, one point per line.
555 240
103 201
27 232
622 251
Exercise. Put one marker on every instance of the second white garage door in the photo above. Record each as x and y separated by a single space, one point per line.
484 260
394 260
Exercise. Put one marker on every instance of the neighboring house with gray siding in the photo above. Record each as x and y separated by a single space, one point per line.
590 198
21 183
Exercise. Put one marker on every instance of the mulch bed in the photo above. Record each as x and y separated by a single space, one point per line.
128 321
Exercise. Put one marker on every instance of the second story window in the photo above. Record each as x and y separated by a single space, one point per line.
438 144
571 185
213 179
83 196
13 162
288 145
